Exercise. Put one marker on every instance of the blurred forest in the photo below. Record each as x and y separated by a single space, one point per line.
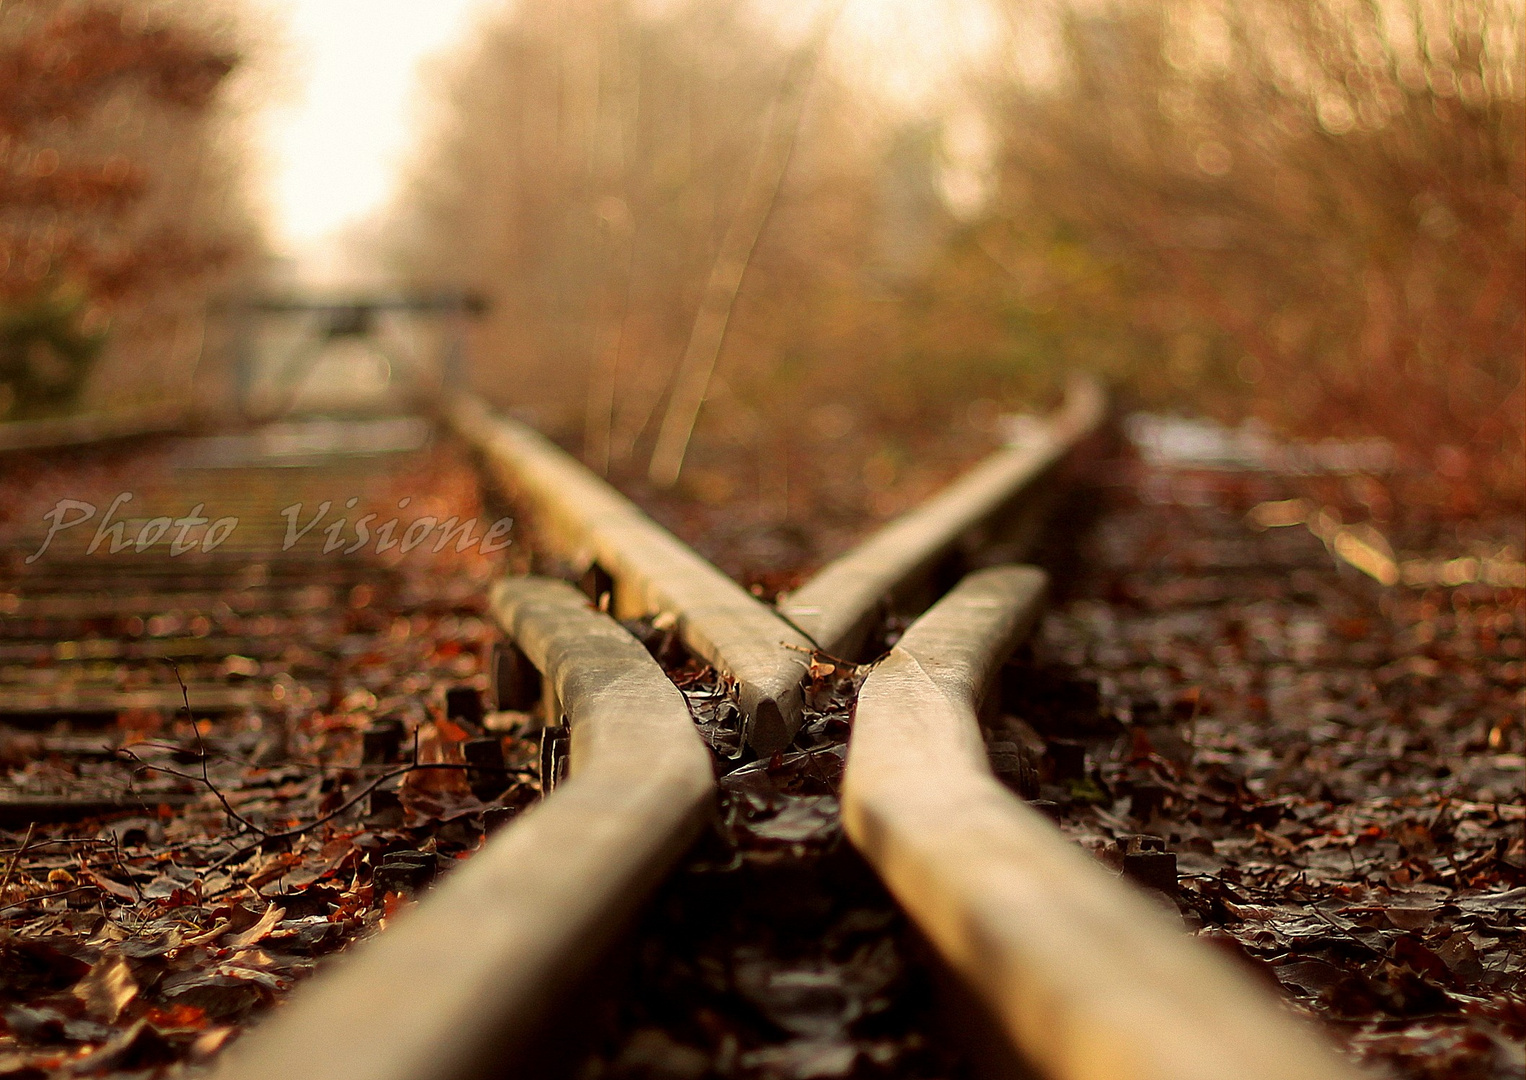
120 199
589 166
713 250
1314 213
1308 212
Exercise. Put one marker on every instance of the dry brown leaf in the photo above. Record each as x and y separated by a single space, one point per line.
259 931
107 989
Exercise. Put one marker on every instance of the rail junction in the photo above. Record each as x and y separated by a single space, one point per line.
1062 968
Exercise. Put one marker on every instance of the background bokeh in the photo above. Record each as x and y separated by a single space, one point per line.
798 235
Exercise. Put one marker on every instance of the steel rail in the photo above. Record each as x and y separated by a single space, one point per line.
586 521
1086 977
459 987
838 607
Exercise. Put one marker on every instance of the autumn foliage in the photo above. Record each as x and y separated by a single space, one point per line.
110 226
1314 213
1308 213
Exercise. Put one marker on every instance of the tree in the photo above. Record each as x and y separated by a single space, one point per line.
105 121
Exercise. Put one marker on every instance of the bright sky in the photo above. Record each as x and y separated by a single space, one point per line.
335 142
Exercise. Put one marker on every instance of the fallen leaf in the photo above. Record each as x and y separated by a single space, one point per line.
259 931
107 989
137 1047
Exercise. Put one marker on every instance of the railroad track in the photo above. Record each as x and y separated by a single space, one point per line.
1063 965
104 654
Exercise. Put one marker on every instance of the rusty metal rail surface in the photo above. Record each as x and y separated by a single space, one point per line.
458 987
1087 977
587 522
837 608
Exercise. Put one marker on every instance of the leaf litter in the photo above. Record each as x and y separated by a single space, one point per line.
1333 766
1323 774
168 873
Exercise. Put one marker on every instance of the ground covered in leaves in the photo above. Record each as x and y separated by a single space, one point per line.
1334 765
305 748
1290 699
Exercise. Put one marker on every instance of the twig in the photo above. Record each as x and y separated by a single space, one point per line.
127 754
116 852
692 382
310 766
1197 706
1337 926
87 841
815 768
416 766
814 652
599 411
290 834
51 896
177 748
10 867
201 750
